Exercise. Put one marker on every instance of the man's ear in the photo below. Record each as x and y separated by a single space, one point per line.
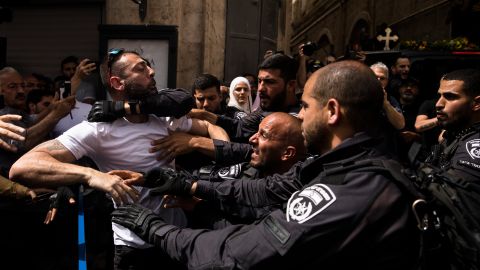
289 153
116 83
31 107
333 111
292 85
476 104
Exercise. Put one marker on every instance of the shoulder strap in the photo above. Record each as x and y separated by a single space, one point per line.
336 175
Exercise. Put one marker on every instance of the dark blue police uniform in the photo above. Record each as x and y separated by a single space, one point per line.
363 222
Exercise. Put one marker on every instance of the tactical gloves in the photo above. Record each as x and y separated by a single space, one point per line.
168 181
142 221
106 111
168 102
60 199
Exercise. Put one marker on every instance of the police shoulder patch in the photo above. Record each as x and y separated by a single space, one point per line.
305 204
231 172
473 148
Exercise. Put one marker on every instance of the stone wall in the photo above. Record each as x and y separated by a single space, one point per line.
201 31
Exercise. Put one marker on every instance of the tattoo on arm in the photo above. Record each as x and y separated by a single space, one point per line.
52 145
429 125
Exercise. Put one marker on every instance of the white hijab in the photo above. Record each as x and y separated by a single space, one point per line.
232 102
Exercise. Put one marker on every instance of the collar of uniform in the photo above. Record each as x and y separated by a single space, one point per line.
351 149
251 172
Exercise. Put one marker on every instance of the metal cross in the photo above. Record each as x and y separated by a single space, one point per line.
387 38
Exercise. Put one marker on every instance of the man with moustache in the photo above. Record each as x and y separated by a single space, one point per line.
457 158
12 87
276 147
400 72
458 113
122 144
362 218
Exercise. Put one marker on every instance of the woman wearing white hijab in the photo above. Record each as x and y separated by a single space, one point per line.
240 101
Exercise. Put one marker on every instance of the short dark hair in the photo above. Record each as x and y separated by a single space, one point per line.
287 65
106 71
400 56
247 74
410 81
356 88
69 59
36 95
470 79
205 81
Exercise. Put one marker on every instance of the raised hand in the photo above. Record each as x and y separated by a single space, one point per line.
58 201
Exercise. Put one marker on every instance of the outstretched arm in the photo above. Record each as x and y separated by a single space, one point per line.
38 132
168 102
200 138
48 165
423 123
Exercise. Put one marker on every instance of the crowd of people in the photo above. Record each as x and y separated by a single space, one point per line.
229 176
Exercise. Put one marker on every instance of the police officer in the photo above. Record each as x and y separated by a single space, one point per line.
361 218
277 146
458 113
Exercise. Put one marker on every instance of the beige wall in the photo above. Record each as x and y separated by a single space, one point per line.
201 31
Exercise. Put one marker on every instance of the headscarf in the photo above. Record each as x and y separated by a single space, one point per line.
232 102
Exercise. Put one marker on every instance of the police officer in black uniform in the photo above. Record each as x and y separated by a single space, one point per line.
277 146
361 218
458 113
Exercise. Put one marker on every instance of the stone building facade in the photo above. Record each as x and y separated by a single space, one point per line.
339 25
201 31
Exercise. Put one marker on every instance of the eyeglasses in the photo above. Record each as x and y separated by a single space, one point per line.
113 55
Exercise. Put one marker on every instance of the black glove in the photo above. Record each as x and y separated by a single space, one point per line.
168 102
168 181
60 199
106 111
142 221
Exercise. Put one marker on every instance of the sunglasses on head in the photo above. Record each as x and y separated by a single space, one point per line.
113 55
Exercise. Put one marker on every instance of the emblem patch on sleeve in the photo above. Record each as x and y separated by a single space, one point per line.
305 204
473 148
231 172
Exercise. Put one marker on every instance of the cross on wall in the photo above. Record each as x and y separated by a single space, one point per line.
387 38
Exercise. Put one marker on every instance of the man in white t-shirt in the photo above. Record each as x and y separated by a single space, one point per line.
122 144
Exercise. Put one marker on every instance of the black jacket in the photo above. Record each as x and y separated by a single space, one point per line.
364 222
461 153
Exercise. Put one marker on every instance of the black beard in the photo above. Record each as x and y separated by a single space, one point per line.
277 102
138 92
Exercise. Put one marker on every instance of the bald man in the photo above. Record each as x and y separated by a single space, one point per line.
277 146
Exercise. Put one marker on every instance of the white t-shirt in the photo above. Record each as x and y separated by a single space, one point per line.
124 145
78 114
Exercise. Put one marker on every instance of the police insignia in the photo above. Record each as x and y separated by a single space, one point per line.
240 115
305 204
231 172
473 148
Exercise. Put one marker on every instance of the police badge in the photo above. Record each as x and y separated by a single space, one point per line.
305 204
473 148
